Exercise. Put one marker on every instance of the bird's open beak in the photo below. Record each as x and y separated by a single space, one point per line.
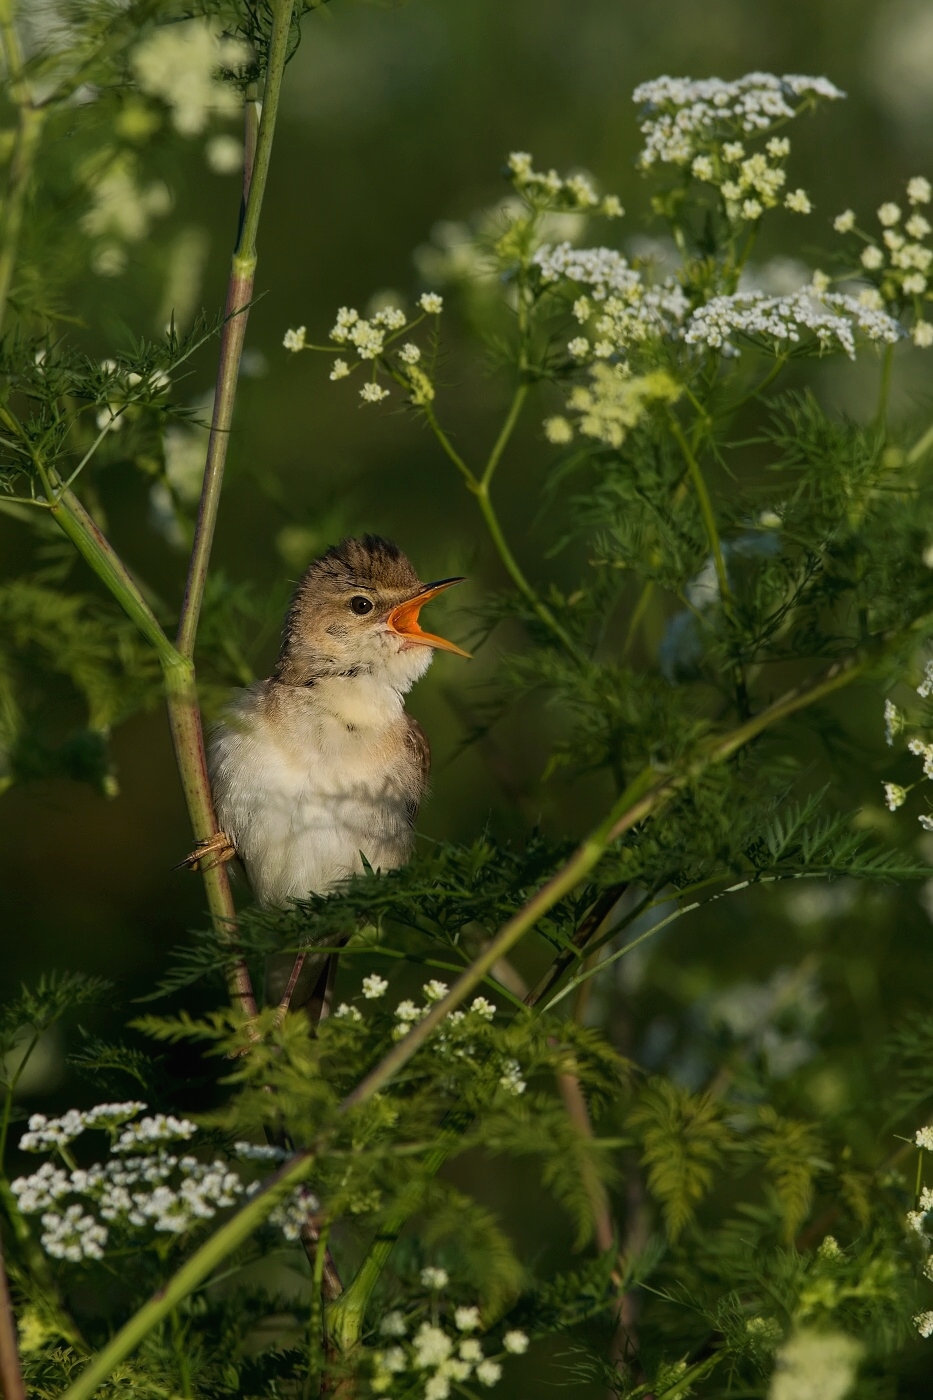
403 619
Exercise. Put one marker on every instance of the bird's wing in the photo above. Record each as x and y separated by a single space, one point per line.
419 749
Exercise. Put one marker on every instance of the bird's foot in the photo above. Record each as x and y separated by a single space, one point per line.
216 850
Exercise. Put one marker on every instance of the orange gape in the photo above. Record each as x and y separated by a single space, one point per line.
404 618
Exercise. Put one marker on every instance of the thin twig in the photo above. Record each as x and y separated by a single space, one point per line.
11 1374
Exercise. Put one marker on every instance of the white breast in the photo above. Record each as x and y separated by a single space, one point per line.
307 782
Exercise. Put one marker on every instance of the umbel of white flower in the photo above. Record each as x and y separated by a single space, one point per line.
143 1185
682 116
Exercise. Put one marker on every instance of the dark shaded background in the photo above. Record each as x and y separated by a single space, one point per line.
394 118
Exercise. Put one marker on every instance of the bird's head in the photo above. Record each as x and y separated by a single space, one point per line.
355 612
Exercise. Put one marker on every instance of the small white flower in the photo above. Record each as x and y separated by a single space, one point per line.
511 1080
889 214
471 1351
345 1012
917 226
432 1346
611 207
408 1011
819 282
914 284
925 688
872 257
466 1319
893 721
558 430
579 347
374 986
340 370
798 201
922 334
483 1008
392 317
751 209
435 990
409 353
515 1342
894 796
437 1388
829 1248
844 222
431 303
924 1138
488 1372
224 154
733 151
295 340
393 1325
919 190
924 1324
434 1278
373 393
702 168
926 822
393 1360
778 147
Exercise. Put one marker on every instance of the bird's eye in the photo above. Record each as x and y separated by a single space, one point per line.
361 606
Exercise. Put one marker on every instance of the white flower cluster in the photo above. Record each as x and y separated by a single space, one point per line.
439 1357
155 1189
455 1038
684 117
182 63
902 261
602 269
611 404
120 211
45 1134
371 337
750 184
575 192
832 317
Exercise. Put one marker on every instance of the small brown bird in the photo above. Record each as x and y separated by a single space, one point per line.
320 766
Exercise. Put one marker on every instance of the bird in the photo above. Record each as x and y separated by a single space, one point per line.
318 771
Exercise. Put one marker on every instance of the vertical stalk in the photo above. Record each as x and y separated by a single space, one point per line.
709 518
11 1375
28 137
239 294
181 686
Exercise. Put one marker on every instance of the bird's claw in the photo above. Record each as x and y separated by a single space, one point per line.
216 850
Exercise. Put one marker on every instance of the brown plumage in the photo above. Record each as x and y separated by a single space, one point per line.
320 767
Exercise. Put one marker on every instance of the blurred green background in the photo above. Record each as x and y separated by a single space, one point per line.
395 118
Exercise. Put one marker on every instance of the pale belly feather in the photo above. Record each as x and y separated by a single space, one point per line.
306 799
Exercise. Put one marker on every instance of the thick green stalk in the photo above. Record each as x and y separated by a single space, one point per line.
239 295
25 150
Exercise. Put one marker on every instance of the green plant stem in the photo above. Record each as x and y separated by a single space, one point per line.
706 510
25 150
644 797
239 295
514 571
184 714
505 433
479 487
884 389
11 1374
